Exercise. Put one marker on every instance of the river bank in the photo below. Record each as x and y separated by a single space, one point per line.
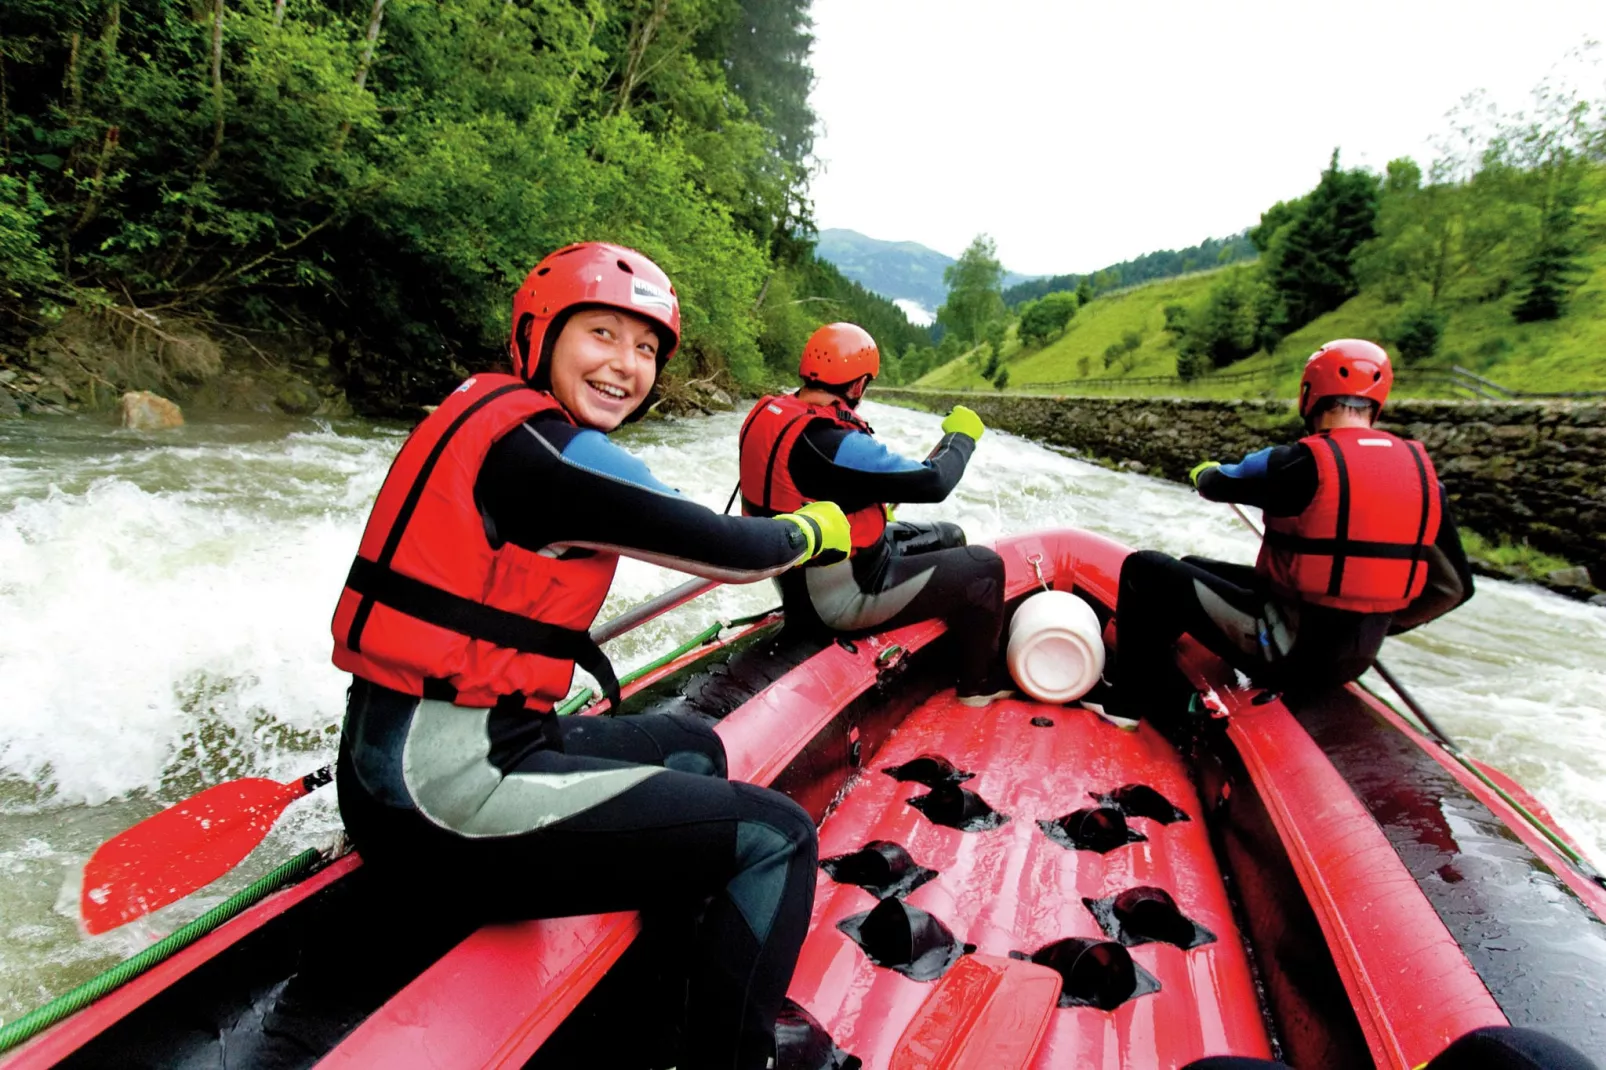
91 357
1524 474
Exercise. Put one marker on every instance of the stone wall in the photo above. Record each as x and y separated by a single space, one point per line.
1526 470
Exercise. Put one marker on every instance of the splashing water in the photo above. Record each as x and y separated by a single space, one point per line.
166 601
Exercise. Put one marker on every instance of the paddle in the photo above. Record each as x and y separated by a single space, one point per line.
192 843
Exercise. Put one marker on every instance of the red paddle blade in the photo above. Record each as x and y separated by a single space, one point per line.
184 848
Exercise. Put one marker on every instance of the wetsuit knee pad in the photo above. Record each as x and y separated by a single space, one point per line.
688 744
987 586
777 849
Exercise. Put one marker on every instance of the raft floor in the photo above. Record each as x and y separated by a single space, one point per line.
1012 888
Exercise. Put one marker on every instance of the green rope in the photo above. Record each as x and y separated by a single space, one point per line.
580 699
37 1021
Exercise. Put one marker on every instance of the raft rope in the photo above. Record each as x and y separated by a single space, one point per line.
580 699
1440 736
37 1021
69 1003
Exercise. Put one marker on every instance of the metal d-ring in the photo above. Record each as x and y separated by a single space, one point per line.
1036 561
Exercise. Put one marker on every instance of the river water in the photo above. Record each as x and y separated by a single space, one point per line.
165 603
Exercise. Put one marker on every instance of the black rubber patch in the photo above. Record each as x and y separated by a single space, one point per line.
1042 722
1146 915
1101 829
1540 951
801 1043
1093 973
1140 800
880 867
900 937
928 769
960 808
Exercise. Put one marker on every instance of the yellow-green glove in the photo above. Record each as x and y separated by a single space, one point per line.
963 421
1199 469
826 529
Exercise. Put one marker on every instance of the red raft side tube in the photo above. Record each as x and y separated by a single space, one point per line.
1442 908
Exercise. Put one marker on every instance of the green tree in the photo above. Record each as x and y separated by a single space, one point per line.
1041 318
1084 291
1416 334
1309 247
1551 269
1002 379
1225 328
975 294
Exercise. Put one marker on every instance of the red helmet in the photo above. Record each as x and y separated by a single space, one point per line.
839 353
589 273
1349 367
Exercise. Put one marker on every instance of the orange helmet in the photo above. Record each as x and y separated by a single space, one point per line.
1348 367
589 273
839 353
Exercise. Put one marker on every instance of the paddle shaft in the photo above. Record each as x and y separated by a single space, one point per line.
1443 738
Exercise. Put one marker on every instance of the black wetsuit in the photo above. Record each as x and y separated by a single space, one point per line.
1282 644
916 571
513 815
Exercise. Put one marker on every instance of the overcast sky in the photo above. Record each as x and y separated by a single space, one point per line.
1081 134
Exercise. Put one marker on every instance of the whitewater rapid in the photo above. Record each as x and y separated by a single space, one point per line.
165 603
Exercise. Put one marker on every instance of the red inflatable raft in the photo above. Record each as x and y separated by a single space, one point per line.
1020 886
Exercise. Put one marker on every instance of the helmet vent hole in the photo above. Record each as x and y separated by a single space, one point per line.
624 267
1344 372
542 271
1376 376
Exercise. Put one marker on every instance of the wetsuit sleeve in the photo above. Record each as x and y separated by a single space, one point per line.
1449 576
854 470
1278 479
548 486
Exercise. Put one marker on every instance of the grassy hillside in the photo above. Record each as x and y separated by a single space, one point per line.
1564 354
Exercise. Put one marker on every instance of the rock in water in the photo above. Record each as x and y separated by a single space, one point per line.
144 411
1576 576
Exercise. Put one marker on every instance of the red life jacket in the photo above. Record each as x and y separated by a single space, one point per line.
769 434
432 608
1359 544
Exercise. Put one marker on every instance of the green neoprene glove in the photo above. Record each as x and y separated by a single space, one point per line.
826 529
963 421
1198 470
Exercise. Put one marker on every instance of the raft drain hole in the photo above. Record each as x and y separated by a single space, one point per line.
1093 973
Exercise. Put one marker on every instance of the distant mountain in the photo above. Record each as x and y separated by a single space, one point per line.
900 270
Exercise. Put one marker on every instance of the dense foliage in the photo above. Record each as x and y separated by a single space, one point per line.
1500 222
1165 264
387 172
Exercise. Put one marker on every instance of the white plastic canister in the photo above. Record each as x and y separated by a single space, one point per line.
1056 648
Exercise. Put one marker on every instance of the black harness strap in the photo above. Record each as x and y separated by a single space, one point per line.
1341 541
1388 551
1422 525
775 454
442 608
398 528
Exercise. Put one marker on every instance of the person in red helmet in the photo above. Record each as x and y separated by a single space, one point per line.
488 554
813 445
1360 544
